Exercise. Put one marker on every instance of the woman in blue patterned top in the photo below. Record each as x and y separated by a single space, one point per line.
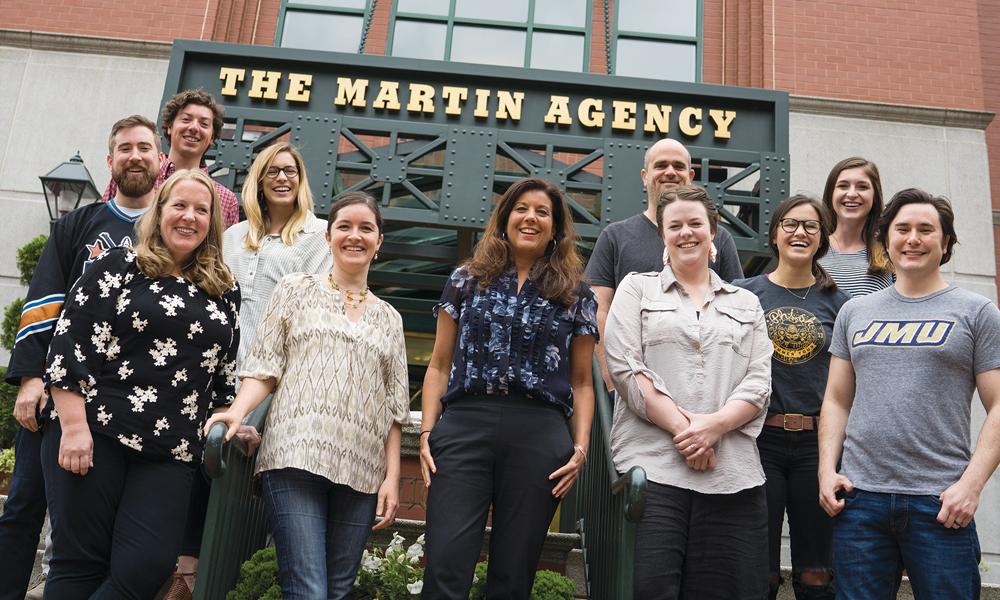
511 369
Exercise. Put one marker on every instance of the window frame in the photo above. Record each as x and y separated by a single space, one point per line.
307 7
697 40
529 28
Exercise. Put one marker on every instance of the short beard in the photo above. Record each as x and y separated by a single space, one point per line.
134 185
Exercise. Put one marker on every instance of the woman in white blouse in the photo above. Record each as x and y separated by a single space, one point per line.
334 356
690 357
280 235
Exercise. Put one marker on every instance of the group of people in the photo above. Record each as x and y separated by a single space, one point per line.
837 389
154 315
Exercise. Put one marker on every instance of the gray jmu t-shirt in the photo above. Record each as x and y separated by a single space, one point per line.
915 361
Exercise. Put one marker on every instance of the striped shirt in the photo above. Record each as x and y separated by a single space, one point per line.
850 271
259 272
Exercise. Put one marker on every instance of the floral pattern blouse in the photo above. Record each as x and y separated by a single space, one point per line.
512 342
151 357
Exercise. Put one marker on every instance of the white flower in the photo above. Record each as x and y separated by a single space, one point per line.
181 453
124 371
170 304
414 551
56 370
164 348
137 323
134 442
415 588
195 328
179 376
370 562
190 409
396 543
103 416
211 358
62 325
139 397
215 313
81 298
123 301
109 281
420 539
161 424
78 353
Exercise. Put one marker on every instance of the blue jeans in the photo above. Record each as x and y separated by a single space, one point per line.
878 535
320 529
23 515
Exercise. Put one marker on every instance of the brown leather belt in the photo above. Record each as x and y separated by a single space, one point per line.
792 422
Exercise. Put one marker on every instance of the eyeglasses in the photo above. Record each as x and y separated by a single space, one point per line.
290 172
792 225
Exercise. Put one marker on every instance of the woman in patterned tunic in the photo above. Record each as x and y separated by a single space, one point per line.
511 370
334 356
280 235
856 259
144 348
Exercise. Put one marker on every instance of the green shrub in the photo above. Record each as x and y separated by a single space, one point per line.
6 466
258 578
27 258
8 424
11 319
549 585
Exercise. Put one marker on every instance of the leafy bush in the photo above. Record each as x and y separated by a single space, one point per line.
6 466
11 319
27 258
258 578
549 585
8 425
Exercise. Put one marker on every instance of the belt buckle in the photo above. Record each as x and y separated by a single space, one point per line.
784 422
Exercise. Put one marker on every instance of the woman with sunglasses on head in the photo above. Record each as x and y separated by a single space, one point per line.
333 354
280 235
800 302
856 259
511 371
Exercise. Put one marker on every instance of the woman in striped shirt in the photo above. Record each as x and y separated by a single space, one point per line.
280 235
856 260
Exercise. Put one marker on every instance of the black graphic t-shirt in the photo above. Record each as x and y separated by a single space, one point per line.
800 325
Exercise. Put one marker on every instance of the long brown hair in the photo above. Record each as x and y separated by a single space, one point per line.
206 268
823 279
558 273
878 260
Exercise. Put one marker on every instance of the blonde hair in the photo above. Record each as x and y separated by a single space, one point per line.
206 268
253 198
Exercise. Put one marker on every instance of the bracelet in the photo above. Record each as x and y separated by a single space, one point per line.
579 448
424 431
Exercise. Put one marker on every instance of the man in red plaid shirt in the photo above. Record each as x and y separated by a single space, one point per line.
191 122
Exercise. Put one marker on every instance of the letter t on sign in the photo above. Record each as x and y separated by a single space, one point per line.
230 77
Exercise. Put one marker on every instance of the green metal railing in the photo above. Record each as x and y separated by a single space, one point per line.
606 507
235 525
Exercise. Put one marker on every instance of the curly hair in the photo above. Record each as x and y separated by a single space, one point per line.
559 273
823 279
253 190
206 268
878 260
181 99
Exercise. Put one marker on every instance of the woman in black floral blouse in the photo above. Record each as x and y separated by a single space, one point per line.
143 350
511 369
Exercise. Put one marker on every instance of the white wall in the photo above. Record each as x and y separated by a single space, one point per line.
51 105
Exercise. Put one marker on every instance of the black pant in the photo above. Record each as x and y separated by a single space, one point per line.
701 546
23 516
201 490
790 460
498 450
116 530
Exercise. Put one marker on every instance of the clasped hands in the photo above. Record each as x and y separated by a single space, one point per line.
697 441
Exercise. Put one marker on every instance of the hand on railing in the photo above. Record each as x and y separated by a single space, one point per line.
245 439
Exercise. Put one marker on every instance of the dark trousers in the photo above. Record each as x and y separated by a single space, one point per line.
499 451
116 530
201 489
23 516
790 460
701 546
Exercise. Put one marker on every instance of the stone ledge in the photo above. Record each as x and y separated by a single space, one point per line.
84 44
880 111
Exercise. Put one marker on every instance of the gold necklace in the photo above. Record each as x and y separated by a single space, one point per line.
349 300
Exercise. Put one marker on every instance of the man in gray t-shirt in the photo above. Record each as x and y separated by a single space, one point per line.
896 416
634 246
